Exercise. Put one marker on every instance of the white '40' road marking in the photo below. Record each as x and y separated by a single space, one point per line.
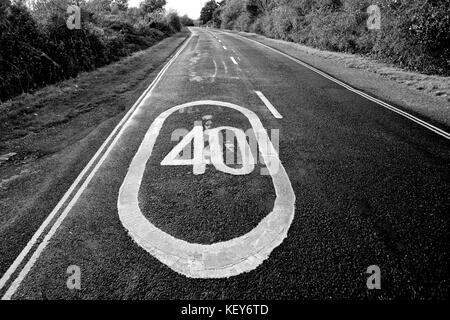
218 260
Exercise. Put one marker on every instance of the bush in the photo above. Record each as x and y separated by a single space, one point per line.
23 64
243 22
147 31
38 49
231 12
417 36
415 33
186 21
257 26
173 20
284 22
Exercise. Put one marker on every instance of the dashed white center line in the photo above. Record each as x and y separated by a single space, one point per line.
225 48
234 60
269 105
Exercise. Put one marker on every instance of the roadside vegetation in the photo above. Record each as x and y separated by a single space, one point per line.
414 34
37 48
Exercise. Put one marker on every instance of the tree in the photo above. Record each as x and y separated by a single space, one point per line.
99 6
207 12
121 5
151 6
134 14
231 12
173 20
253 9
4 9
263 5
186 21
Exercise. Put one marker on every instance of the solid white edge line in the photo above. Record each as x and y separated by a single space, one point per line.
123 124
365 95
269 105
234 60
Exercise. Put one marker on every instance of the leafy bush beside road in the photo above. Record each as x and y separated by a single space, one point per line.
37 48
415 34
174 22
186 21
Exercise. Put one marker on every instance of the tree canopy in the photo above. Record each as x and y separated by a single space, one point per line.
207 12
150 6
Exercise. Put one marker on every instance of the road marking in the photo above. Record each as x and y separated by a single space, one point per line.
215 71
197 162
225 66
214 150
269 105
225 48
114 136
218 260
419 121
234 61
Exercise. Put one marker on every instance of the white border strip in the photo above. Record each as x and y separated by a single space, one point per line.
269 105
121 126
421 122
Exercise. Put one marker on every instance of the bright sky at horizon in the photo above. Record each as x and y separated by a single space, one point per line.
190 7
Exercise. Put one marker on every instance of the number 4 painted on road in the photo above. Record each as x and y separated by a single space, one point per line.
173 159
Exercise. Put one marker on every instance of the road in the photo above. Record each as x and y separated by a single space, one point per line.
344 184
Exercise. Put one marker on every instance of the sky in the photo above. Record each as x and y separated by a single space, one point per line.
190 7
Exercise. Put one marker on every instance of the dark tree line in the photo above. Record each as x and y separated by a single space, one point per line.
36 47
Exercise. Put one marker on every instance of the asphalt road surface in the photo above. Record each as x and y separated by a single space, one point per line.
343 184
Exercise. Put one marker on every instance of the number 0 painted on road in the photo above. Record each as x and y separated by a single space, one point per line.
248 163
222 259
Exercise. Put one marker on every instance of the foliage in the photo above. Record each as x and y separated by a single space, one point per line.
36 47
150 6
207 12
231 12
415 33
174 22
186 21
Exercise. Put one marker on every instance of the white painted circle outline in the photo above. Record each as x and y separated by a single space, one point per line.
218 260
